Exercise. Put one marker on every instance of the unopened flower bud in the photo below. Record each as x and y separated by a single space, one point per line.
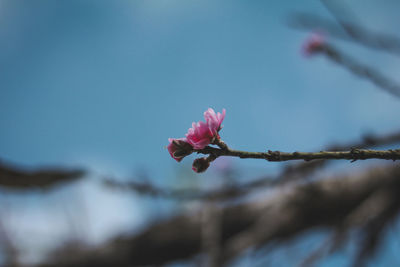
179 148
200 165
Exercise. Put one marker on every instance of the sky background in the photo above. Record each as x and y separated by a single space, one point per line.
104 84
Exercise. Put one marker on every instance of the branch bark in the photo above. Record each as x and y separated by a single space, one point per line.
353 154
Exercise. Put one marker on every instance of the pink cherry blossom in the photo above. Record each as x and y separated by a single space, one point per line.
313 44
203 133
179 148
213 120
199 135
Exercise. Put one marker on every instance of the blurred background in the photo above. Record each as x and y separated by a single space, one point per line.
101 85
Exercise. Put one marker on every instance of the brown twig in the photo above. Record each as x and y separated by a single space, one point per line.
301 169
353 154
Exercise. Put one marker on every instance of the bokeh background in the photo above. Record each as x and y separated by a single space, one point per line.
102 84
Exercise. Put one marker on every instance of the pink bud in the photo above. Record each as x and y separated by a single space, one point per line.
313 44
179 148
200 165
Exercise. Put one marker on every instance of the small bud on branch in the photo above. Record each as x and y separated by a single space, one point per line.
203 134
200 165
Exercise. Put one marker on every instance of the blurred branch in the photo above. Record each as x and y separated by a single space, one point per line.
296 209
211 233
333 243
352 32
361 70
339 11
17 178
9 250
323 203
228 192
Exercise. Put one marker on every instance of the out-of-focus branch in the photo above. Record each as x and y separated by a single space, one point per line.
211 234
323 203
296 210
343 16
352 32
361 70
17 178
8 248
228 192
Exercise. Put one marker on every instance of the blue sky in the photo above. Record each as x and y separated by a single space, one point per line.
104 81
103 84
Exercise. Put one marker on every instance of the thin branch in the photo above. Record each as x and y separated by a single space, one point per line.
361 70
353 155
292 171
342 15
